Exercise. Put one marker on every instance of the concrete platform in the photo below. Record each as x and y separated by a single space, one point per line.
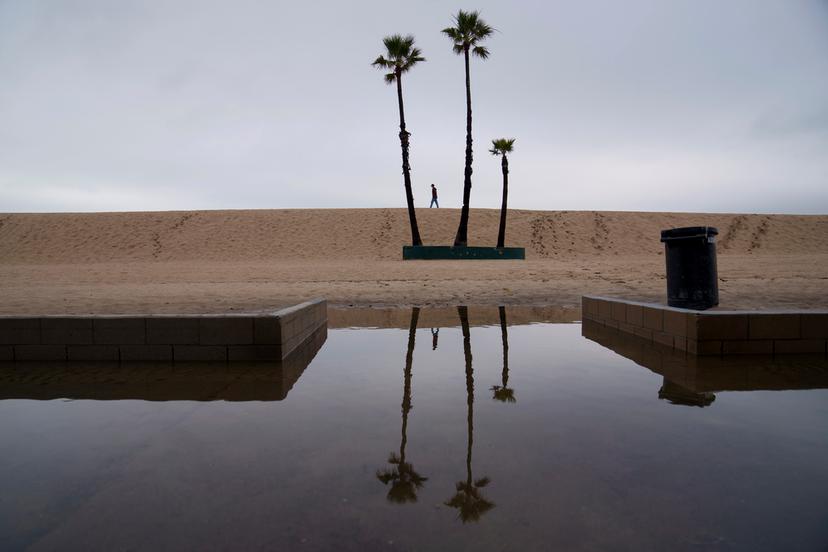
713 332
168 338
447 252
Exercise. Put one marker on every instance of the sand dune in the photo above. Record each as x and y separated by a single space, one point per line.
215 261
375 234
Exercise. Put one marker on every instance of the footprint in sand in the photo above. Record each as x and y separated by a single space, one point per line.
736 226
758 235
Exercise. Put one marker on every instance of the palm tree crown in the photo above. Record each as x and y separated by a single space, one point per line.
400 56
405 481
502 146
468 32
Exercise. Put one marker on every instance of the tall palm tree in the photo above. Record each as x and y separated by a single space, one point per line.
502 392
469 501
400 56
468 32
501 147
405 481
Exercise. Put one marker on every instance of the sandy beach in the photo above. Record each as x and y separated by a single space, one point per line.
255 260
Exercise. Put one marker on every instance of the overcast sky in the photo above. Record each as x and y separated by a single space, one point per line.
696 105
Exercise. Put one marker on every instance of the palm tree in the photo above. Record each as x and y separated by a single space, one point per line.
400 57
405 481
468 32
503 393
469 501
501 147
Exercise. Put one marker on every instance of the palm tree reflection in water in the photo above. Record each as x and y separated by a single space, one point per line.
405 482
468 499
502 392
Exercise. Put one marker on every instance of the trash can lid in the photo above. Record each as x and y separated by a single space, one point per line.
688 232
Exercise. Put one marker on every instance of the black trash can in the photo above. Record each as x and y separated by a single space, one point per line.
692 278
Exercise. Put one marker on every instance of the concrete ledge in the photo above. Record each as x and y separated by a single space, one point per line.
447 252
159 381
93 352
40 352
269 336
19 331
172 331
713 332
205 353
148 353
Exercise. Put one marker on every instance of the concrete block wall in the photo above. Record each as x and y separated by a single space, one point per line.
183 338
713 332
160 381
713 373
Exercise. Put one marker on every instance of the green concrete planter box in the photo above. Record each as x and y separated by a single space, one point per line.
447 252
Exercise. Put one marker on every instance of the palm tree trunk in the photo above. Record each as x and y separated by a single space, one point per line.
409 196
504 337
464 324
462 238
501 232
409 358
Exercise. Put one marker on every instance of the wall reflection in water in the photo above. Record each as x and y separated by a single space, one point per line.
193 381
692 380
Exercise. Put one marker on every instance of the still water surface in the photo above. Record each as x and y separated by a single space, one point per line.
532 438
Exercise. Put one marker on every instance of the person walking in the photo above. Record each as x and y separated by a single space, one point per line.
434 197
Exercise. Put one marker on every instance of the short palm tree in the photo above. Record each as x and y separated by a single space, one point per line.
502 147
400 56
404 480
502 392
467 34
468 499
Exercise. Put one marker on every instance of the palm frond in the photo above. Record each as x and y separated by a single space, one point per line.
504 394
469 29
381 62
481 52
398 45
414 57
452 33
482 30
400 54
404 480
390 78
385 476
502 146
469 502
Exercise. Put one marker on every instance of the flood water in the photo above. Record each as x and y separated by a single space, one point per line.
521 437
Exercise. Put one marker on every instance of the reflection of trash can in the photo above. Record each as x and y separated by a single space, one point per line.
692 278
677 394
